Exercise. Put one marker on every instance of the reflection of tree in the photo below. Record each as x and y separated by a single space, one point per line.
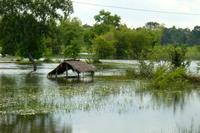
170 99
32 124
32 80
7 80
6 89
17 93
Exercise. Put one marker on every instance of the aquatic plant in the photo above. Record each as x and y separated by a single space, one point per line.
145 70
178 56
169 79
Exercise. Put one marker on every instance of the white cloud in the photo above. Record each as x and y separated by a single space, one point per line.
135 18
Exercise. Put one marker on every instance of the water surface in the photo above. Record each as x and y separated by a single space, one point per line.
34 103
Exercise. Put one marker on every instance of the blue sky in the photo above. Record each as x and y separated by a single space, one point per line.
135 19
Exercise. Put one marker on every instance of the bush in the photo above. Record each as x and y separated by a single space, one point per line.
178 56
159 53
132 73
169 79
145 70
193 53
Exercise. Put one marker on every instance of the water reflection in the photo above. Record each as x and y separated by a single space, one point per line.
115 102
23 93
7 80
33 124
175 100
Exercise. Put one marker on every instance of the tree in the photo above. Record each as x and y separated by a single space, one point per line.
105 17
152 25
73 49
176 36
25 22
104 46
140 41
122 42
195 35
52 42
178 56
105 22
88 36
71 36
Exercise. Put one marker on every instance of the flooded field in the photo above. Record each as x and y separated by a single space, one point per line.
34 103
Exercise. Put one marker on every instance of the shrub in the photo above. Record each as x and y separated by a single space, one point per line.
145 70
132 73
178 56
169 79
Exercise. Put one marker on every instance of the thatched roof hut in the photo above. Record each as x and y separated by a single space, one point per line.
74 65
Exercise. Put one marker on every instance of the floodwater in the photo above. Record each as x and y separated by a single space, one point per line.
33 103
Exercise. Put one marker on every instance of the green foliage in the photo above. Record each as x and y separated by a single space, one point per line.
152 25
104 46
102 29
139 43
159 53
130 43
105 17
24 24
36 28
145 70
73 49
88 36
71 37
70 30
132 73
181 36
52 42
169 79
175 36
193 53
122 42
105 21
178 56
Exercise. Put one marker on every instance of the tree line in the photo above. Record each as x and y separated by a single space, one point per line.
35 29
108 38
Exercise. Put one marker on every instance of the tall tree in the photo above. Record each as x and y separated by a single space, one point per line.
25 22
140 41
122 42
195 35
104 46
152 25
105 17
106 21
71 36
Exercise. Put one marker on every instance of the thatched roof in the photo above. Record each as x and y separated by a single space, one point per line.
75 65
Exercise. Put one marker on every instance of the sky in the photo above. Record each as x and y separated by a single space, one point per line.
136 19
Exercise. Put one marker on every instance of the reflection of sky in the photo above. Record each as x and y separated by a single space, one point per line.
121 110
136 19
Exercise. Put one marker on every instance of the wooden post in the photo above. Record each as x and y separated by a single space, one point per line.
92 73
78 76
66 71
56 73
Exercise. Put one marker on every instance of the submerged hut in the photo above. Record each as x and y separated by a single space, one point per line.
74 65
